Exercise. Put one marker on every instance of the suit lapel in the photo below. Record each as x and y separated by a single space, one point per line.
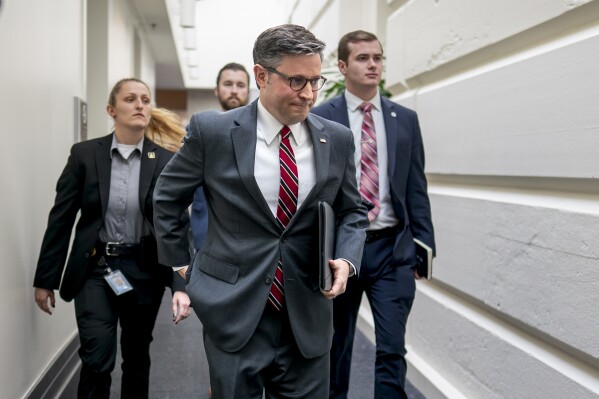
103 169
338 110
321 142
244 145
146 171
390 118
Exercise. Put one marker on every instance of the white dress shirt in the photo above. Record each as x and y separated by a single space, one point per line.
266 167
386 216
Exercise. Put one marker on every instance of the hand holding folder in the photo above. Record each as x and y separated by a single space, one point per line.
326 244
424 259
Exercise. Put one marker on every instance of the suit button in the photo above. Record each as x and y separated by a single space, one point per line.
283 239
268 280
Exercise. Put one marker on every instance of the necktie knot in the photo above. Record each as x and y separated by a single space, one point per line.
366 106
285 132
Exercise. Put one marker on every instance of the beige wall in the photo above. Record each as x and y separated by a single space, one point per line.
42 68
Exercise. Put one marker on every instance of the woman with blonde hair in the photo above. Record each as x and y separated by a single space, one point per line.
165 129
112 271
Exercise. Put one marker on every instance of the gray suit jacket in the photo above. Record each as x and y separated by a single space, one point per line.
232 274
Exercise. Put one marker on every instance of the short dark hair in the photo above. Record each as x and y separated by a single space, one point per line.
232 66
275 43
354 37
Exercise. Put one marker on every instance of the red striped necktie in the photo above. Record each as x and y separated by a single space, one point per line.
287 205
369 177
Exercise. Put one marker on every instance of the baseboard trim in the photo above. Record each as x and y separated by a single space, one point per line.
428 380
62 376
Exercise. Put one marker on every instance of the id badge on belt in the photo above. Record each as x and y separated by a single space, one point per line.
115 279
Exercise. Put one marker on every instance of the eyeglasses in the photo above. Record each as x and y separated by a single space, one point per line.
298 83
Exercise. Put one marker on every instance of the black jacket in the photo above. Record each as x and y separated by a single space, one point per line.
84 186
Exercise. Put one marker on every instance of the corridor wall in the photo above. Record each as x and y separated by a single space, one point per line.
43 67
506 93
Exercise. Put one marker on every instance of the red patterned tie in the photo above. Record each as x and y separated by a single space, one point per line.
286 207
369 177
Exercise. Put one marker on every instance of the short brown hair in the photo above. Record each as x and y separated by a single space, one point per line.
275 43
354 37
232 66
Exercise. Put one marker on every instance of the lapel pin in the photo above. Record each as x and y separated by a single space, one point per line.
151 155
393 114
323 140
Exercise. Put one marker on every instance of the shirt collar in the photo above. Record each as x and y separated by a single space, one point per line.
114 146
270 126
353 101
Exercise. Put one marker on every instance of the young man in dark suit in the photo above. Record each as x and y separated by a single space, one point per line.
264 168
390 172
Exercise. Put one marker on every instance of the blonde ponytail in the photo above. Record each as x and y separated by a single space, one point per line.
165 129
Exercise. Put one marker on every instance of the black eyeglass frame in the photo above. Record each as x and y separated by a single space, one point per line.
290 79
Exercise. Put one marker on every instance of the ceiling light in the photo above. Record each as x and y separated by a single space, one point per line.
192 58
187 15
189 38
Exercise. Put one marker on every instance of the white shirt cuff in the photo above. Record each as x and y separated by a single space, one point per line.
351 267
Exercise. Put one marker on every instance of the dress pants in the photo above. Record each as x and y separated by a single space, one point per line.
98 310
390 291
270 364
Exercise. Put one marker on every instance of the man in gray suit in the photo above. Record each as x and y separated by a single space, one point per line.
264 168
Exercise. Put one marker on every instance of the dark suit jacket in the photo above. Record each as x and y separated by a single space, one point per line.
232 274
84 186
408 184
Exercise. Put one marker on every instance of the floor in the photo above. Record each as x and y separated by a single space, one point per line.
179 368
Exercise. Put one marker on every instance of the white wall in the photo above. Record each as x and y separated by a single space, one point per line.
236 23
505 92
112 30
42 69
40 73
124 26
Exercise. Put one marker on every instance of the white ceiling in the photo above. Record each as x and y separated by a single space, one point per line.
156 27
225 31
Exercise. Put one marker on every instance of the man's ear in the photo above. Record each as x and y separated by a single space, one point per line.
342 67
261 75
216 92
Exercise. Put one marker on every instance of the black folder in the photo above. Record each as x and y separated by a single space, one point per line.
424 258
326 244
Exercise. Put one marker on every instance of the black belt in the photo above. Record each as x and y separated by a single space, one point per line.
117 249
372 235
